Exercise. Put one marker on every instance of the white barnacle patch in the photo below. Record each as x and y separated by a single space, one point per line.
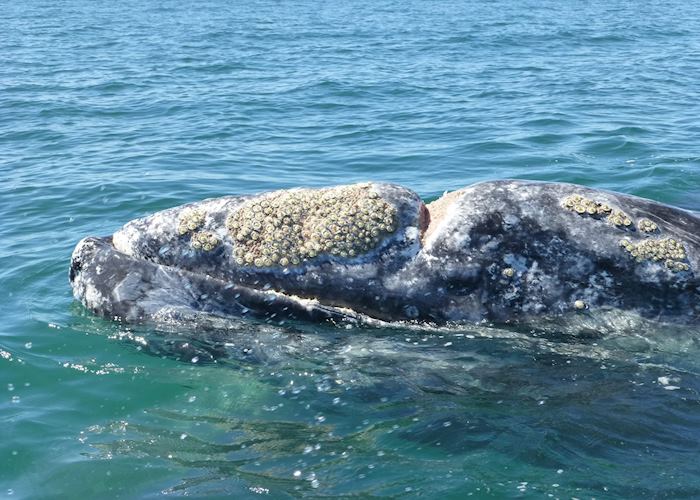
286 228
596 209
204 240
647 226
190 220
190 223
585 206
619 218
668 251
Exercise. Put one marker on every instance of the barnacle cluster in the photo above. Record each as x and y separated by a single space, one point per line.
287 227
204 240
585 206
190 220
619 218
647 226
668 250
581 205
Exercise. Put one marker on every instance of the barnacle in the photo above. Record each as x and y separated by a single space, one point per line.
204 240
287 227
582 205
586 206
647 226
676 266
508 272
670 251
619 218
580 305
190 220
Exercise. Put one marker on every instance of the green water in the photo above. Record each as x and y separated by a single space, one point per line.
109 111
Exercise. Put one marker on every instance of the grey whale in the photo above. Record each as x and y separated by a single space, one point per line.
511 252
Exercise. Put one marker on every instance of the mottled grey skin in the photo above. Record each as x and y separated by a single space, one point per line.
503 252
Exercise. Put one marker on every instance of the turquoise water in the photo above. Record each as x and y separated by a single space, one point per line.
113 110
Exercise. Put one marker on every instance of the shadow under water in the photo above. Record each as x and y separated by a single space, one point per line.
582 410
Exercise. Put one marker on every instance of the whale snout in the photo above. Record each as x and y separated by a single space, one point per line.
77 258
75 267
84 264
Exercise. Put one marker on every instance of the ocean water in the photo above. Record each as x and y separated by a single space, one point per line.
113 110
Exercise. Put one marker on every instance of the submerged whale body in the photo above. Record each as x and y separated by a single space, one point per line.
502 252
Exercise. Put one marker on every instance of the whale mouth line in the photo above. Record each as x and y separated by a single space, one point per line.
76 267
260 302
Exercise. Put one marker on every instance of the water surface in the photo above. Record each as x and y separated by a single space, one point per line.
113 110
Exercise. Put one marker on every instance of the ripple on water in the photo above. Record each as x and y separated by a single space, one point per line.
115 110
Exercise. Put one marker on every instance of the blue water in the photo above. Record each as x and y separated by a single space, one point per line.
113 110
